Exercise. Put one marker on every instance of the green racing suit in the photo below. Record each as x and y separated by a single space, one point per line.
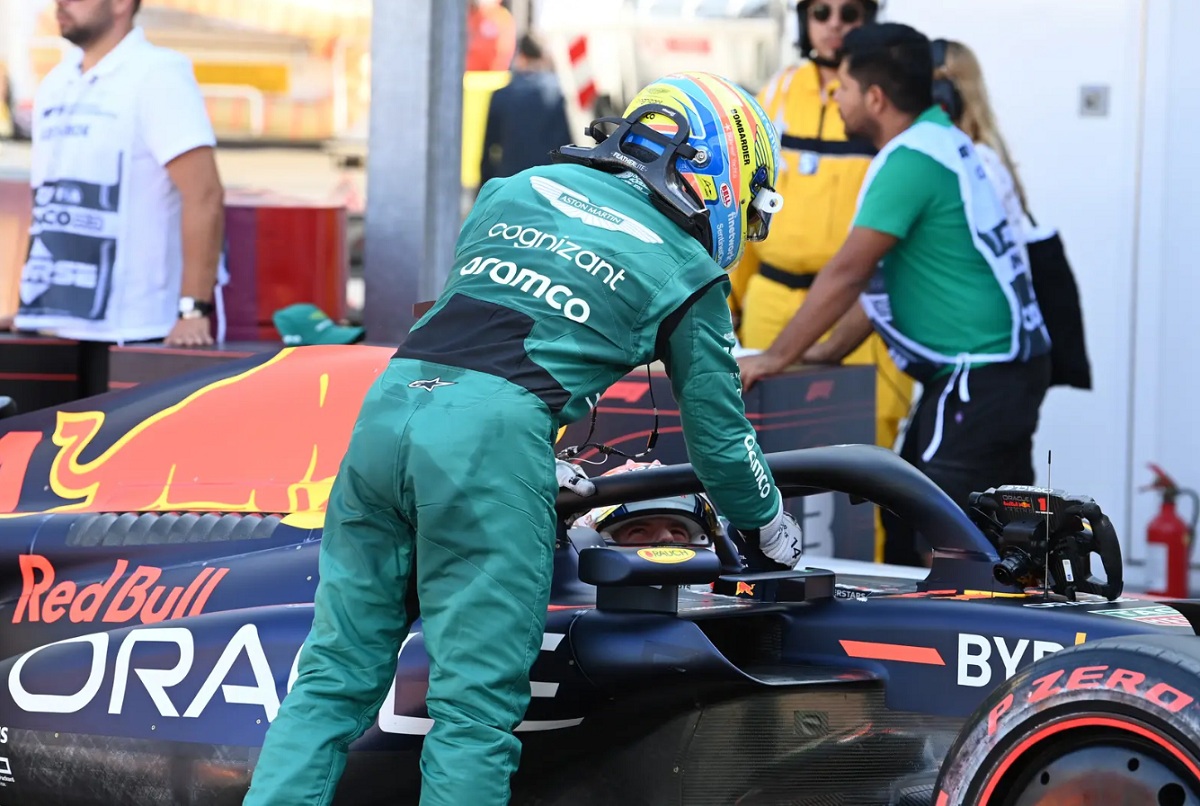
565 279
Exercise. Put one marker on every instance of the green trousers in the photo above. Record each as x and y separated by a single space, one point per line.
461 475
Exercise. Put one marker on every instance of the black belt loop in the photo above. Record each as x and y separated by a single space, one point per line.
788 278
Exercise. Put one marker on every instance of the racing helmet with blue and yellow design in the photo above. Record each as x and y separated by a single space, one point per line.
705 150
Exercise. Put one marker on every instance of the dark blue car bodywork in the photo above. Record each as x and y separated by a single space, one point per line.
144 652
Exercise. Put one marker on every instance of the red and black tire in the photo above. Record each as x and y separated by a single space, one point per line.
1113 722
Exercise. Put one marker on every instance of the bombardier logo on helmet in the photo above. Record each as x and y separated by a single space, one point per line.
707 152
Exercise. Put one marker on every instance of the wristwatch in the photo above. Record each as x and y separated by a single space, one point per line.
192 308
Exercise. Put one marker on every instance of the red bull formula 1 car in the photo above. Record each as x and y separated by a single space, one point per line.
160 556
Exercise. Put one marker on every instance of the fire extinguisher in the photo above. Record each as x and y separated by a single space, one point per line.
1168 539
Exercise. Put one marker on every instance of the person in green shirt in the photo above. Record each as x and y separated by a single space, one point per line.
941 277
566 277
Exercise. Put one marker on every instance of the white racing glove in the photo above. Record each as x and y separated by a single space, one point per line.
571 477
781 539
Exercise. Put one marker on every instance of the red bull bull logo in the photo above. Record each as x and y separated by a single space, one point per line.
744 589
268 440
16 449
137 600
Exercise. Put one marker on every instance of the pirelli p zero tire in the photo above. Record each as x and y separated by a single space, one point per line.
1112 722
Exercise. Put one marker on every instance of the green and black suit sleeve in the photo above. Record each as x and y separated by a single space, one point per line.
694 344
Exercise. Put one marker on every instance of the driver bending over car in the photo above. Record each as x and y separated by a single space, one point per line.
566 278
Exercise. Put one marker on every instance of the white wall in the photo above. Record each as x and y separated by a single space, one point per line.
1081 175
1167 332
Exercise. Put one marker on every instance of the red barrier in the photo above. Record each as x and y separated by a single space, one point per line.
16 202
281 251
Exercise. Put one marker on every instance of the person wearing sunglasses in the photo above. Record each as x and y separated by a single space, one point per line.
939 273
821 175
566 277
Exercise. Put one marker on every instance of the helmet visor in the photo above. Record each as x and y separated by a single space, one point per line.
764 204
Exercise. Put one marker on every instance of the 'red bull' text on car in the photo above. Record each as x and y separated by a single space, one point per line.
160 558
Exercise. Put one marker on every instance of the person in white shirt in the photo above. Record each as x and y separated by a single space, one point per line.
128 219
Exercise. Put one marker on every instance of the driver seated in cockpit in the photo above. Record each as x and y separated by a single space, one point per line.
686 520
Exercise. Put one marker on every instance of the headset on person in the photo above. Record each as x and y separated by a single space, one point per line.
945 94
